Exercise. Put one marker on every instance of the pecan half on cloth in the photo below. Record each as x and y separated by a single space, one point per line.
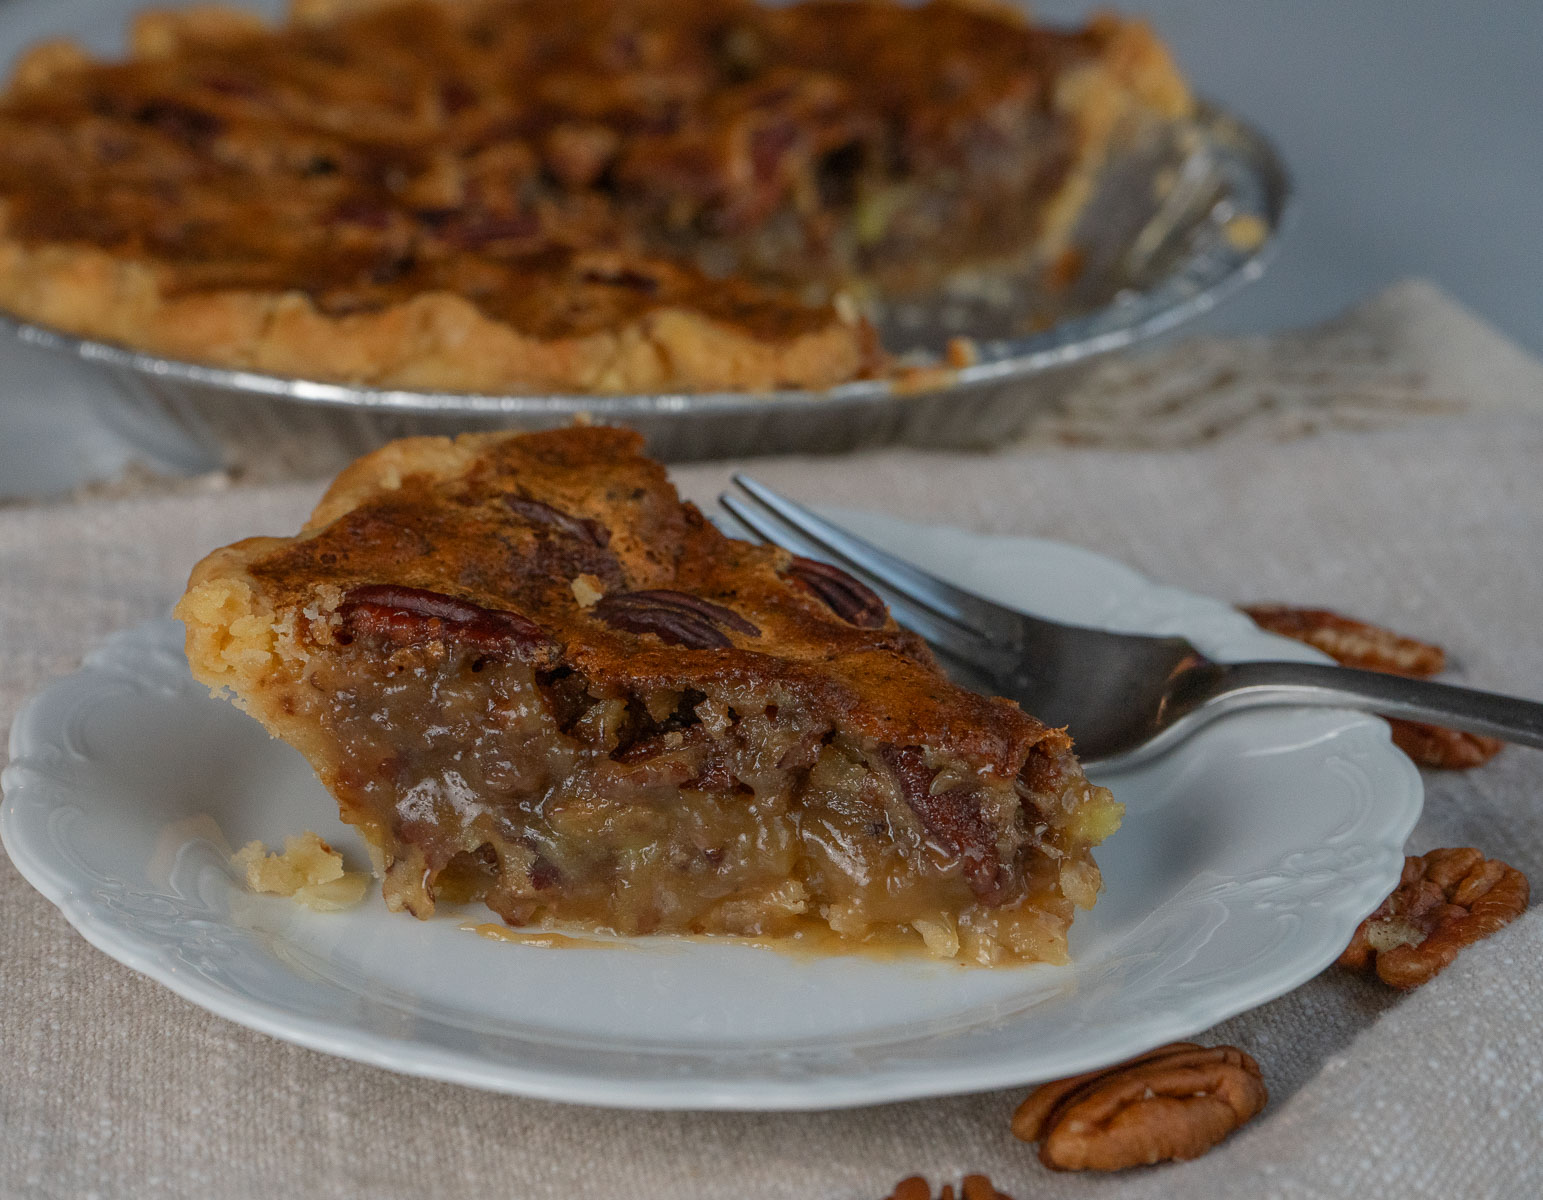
1367 647
1175 1102
1446 900
1443 749
974 1187
1349 642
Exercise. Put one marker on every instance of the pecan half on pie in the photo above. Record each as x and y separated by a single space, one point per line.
590 195
532 676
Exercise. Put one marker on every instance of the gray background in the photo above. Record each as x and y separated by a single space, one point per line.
1412 128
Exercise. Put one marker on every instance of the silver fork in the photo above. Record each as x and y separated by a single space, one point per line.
1122 696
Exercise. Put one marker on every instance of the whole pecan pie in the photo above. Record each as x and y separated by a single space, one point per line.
506 195
531 675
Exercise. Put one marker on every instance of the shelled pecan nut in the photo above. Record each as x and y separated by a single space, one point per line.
974 1187
1445 900
953 816
1443 749
1353 643
578 153
538 513
850 599
675 617
404 616
1175 1102
1349 642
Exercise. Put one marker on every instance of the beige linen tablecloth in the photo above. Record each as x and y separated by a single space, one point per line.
111 1086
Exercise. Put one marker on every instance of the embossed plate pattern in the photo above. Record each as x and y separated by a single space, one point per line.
1246 859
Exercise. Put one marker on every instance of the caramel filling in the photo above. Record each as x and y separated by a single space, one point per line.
481 777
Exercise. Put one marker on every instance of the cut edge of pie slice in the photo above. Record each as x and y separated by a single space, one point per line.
530 675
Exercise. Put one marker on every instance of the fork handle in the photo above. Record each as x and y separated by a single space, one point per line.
1229 686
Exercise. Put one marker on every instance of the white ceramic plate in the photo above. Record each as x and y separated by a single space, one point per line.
1246 859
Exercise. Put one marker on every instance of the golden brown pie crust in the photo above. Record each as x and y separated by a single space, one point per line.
516 195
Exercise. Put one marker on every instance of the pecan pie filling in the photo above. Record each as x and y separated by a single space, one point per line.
712 746
566 168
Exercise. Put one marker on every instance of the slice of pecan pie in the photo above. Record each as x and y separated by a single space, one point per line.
532 676
577 195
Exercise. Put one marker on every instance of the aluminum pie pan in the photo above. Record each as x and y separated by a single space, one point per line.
1175 254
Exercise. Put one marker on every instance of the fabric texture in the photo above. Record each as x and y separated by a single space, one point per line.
1405 353
112 1086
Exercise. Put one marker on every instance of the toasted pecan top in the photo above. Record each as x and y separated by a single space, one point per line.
477 147
488 534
